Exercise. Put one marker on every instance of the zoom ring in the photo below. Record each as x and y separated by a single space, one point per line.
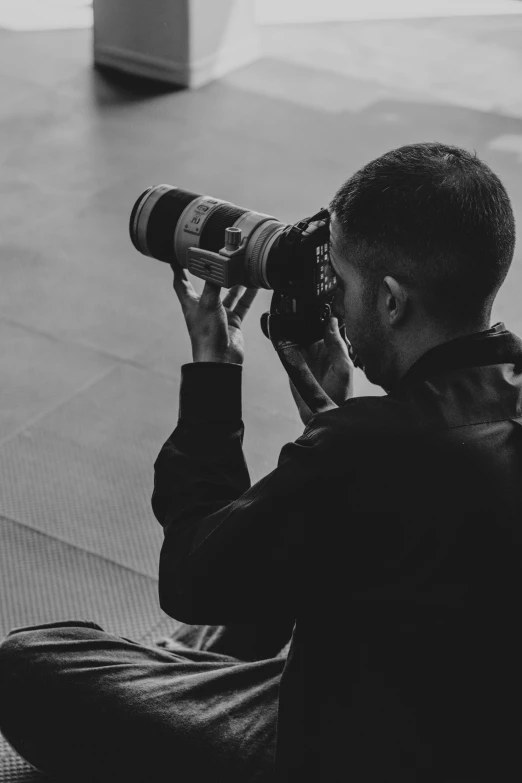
253 261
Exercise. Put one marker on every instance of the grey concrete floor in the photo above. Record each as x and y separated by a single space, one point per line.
91 334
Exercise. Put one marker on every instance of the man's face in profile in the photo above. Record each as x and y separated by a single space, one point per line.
354 304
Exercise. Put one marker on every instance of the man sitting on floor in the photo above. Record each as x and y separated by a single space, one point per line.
386 544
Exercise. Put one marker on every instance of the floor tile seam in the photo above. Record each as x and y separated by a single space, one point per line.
136 363
13 235
64 401
82 198
77 548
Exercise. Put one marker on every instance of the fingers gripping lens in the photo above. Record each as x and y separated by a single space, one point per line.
176 225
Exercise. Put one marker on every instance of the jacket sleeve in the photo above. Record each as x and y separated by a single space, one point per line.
232 552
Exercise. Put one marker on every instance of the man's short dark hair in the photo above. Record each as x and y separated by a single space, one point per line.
434 216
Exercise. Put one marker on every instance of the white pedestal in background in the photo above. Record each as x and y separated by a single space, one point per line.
185 42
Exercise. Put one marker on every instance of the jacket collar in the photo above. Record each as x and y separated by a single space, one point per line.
493 346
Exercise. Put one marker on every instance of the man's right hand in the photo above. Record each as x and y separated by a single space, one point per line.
331 366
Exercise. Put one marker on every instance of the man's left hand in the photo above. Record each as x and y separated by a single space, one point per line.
214 326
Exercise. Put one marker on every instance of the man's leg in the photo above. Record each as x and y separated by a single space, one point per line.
81 704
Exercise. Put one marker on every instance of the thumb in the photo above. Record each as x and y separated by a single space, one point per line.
332 338
211 296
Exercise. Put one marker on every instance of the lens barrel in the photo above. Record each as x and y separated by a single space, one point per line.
166 221
157 213
154 218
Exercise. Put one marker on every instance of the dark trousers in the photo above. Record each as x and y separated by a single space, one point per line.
81 704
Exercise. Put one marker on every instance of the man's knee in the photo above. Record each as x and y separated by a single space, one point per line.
22 647
14 683
30 659
12 649
52 626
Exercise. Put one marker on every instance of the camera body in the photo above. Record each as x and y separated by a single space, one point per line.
300 275
229 246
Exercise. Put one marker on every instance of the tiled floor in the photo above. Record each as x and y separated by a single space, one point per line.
91 335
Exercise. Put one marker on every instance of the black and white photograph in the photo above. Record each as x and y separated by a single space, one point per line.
260 391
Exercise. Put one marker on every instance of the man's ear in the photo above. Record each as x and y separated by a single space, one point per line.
396 300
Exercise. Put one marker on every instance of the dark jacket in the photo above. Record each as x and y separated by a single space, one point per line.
391 533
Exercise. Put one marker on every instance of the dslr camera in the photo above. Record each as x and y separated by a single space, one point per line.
229 245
